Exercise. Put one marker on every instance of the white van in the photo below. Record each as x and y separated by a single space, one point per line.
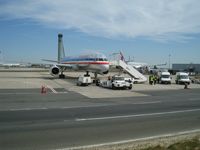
165 78
182 78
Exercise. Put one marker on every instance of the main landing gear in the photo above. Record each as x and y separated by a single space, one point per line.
96 80
62 76
87 74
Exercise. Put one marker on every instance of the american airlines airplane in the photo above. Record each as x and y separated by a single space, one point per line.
96 63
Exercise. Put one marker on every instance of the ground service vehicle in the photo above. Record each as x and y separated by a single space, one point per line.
117 82
182 78
165 78
84 80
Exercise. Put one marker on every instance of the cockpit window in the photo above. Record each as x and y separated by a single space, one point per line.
105 59
100 59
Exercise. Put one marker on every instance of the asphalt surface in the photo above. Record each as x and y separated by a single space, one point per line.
30 120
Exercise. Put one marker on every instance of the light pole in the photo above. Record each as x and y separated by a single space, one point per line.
169 60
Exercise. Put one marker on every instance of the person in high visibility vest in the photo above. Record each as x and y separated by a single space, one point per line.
155 78
151 79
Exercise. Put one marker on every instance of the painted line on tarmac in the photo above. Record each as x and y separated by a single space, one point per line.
104 105
28 93
138 115
67 107
32 93
22 109
108 105
143 103
52 89
194 99
134 140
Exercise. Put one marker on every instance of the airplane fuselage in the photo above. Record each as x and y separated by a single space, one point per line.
91 63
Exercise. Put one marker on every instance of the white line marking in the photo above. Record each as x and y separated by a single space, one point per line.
20 93
62 92
31 93
22 109
52 89
194 99
103 105
107 105
138 115
133 140
143 103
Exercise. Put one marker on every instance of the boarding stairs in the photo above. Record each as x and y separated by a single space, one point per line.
138 77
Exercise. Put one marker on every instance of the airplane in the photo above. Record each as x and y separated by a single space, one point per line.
137 65
140 66
143 67
157 68
96 63
7 65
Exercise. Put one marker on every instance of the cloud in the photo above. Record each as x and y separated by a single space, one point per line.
162 20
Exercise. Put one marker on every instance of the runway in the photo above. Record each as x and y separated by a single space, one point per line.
29 120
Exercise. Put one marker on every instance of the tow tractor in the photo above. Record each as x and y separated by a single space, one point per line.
117 82
84 80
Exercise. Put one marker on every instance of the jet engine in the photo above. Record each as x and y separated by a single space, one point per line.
54 70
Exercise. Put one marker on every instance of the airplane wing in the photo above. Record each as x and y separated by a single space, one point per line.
55 62
64 65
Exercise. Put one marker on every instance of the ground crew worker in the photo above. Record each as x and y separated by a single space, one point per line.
155 79
158 79
151 79
109 78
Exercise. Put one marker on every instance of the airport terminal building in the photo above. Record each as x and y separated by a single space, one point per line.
187 67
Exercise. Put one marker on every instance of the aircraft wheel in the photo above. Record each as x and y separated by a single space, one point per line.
113 87
61 76
97 82
130 87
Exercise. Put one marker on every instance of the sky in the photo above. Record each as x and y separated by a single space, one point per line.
154 32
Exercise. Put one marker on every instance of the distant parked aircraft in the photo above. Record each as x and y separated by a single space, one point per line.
10 64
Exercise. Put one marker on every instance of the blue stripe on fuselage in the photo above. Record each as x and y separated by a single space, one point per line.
79 59
82 59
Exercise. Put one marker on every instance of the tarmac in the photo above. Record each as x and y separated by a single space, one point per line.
37 79
68 116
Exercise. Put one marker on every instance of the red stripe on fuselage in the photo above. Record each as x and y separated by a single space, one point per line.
94 62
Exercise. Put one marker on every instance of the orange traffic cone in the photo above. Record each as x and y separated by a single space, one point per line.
43 90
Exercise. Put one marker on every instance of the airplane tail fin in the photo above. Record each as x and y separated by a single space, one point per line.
121 56
61 51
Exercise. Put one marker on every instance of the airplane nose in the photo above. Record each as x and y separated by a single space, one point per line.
106 69
105 72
